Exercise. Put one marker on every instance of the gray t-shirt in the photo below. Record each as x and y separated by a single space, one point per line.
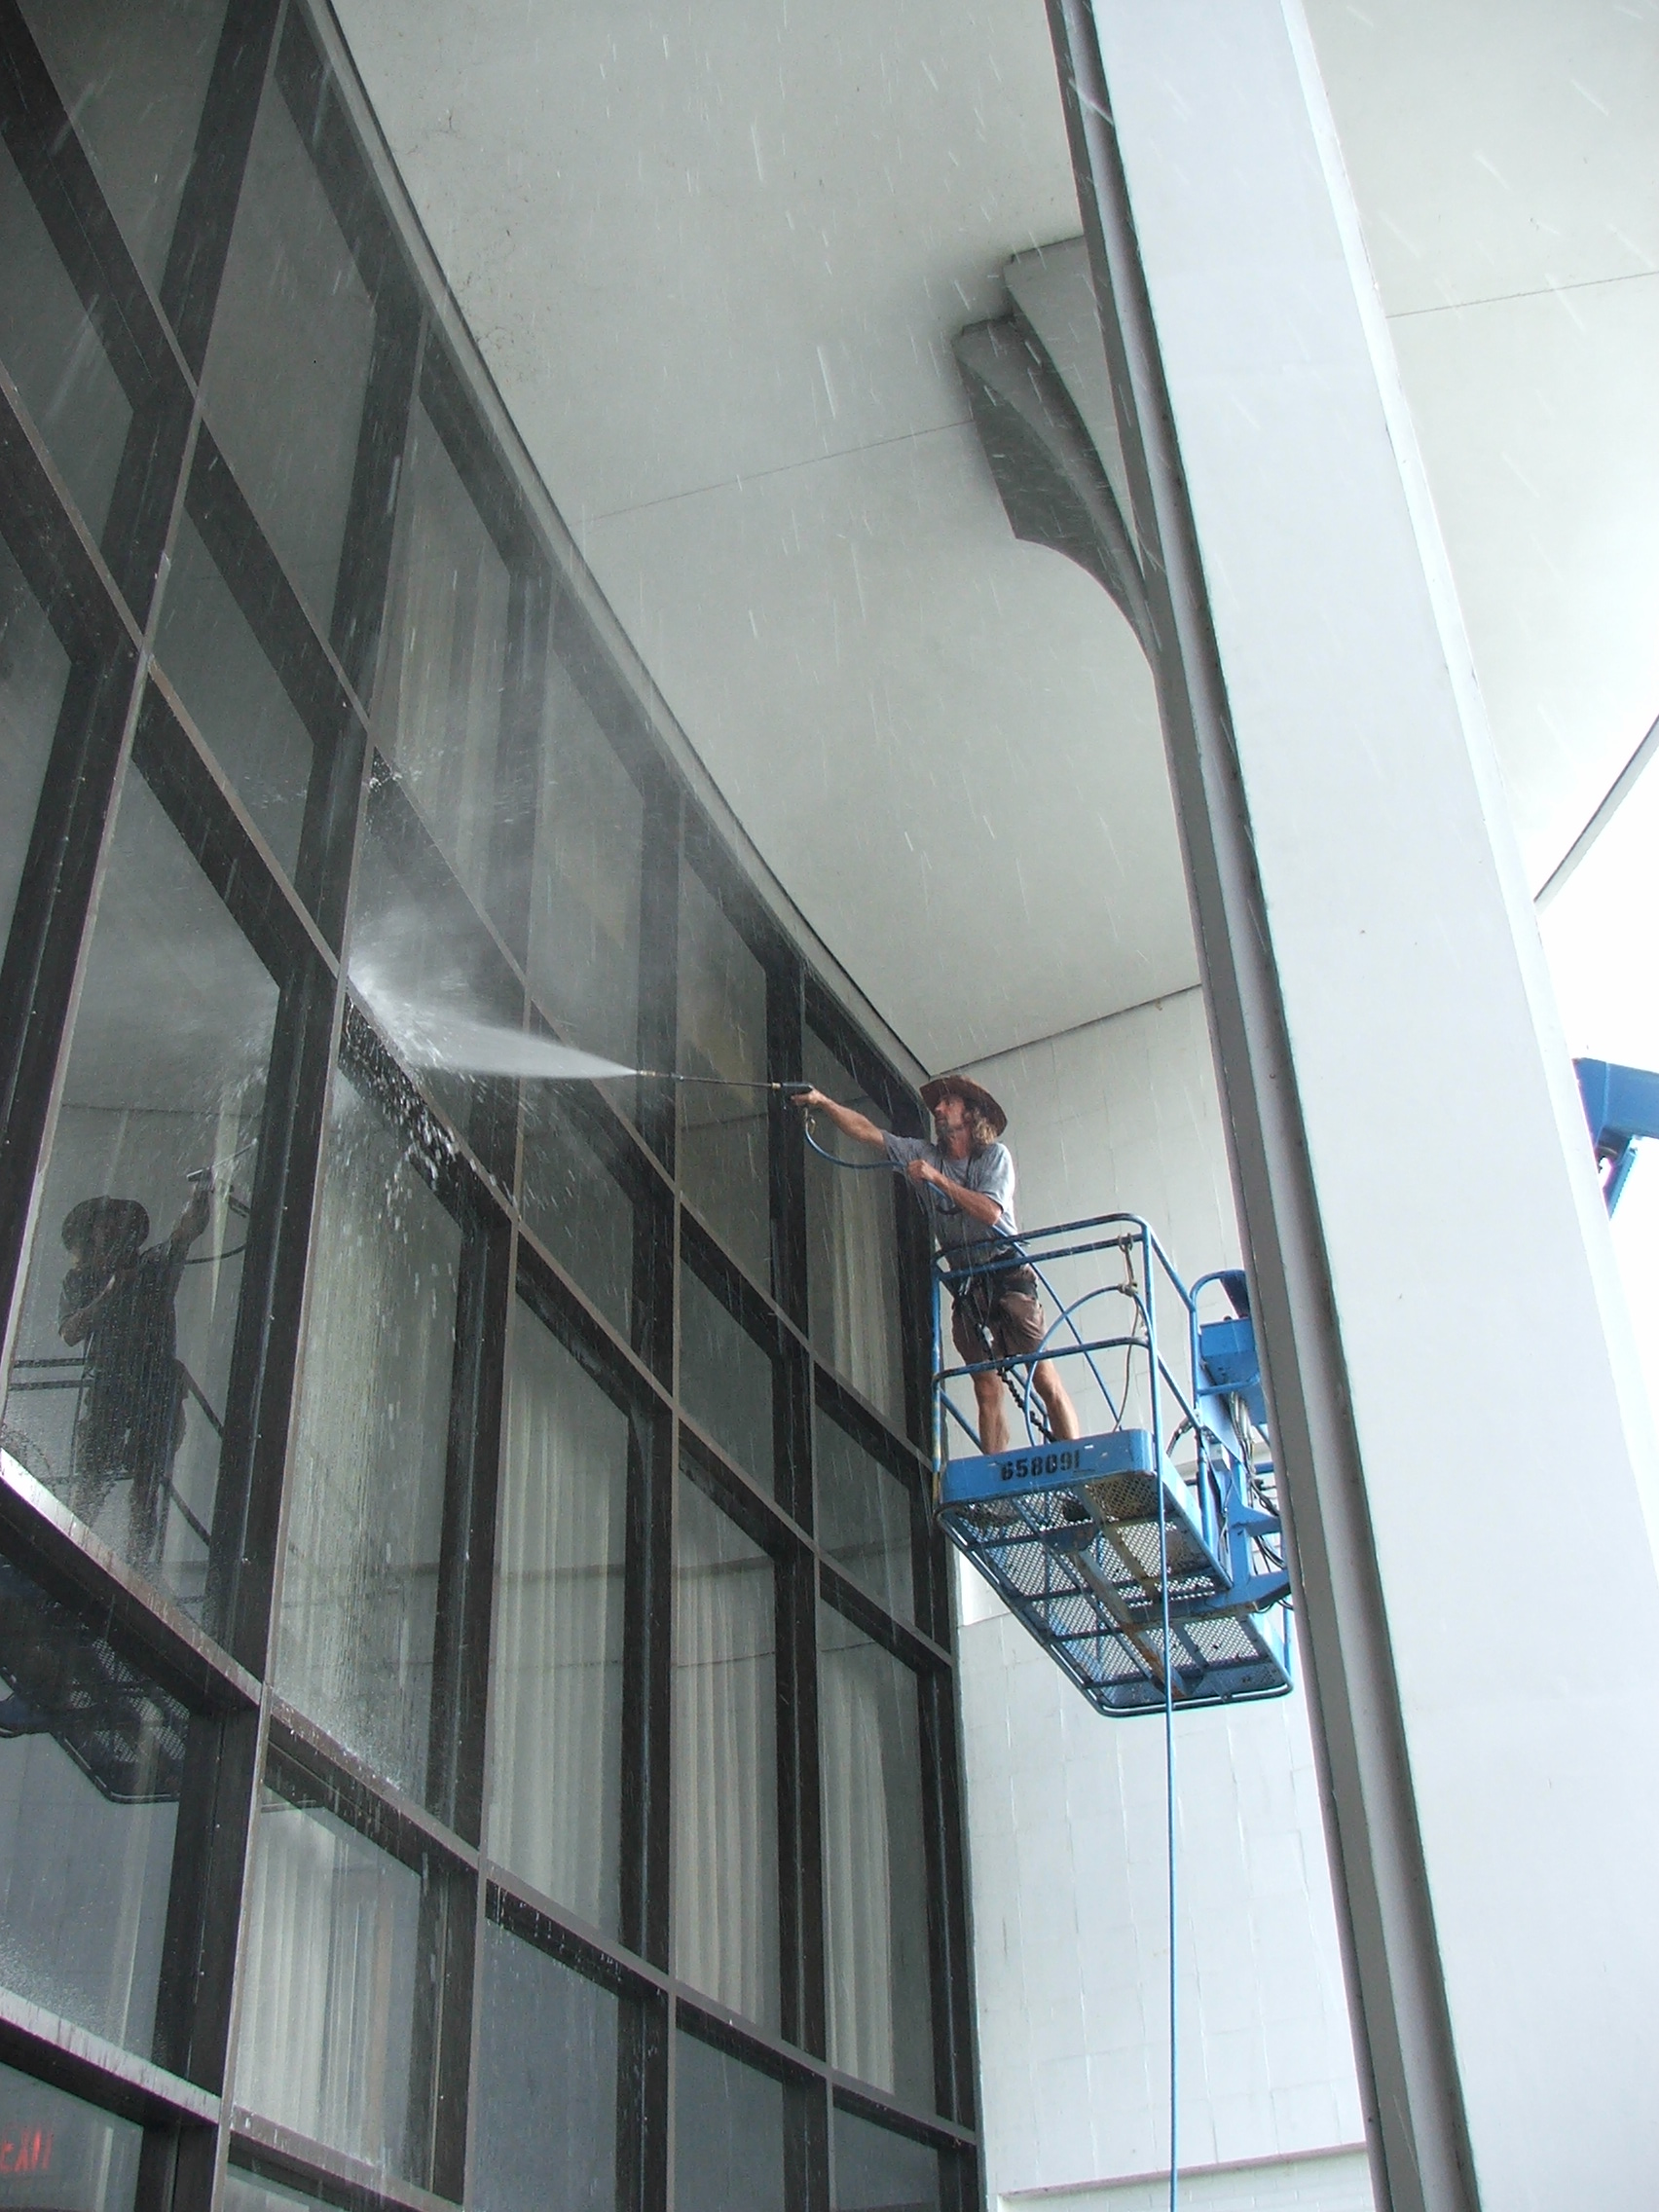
990 1171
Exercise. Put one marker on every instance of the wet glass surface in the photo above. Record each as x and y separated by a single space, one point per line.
575 1195
357 1622
875 1864
91 1764
34 670
726 1379
434 976
556 1785
234 695
254 2192
852 1243
728 2133
332 1984
51 346
118 1393
585 881
879 2171
58 2152
863 1517
134 80
726 1776
545 2132
288 363
438 707
722 1150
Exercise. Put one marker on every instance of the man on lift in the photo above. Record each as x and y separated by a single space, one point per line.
964 1182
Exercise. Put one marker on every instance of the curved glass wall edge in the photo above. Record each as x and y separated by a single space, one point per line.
501 1433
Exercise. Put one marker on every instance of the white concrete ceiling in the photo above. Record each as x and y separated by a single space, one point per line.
715 252
1506 158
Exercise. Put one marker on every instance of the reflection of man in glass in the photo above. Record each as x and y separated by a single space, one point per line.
964 1182
117 1301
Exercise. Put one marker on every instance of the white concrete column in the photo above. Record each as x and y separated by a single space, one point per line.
1480 1461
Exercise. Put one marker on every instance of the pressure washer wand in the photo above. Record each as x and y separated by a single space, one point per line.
721 1081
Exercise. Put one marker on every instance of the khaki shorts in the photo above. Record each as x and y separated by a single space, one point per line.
1012 1330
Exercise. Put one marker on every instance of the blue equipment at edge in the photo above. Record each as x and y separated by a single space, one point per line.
1622 1106
1077 1538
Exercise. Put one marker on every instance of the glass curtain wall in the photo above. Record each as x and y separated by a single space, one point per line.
475 1705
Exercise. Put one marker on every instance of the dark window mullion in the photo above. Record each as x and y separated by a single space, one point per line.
954 2068
647 1691
801 1873
467 1546
207 206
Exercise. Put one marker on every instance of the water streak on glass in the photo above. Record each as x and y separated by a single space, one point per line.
438 708
51 346
134 81
556 1787
722 1151
234 695
92 1763
117 1398
726 1379
332 1986
545 2133
879 2171
56 2152
577 1203
585 883
875 1864
852 1247
357 1622
34 670
728 2134
725 1790
288 364
863 1517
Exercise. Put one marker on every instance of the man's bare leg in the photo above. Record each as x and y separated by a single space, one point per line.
1056 1403
991 1400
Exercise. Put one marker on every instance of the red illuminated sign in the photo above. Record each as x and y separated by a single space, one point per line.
25 2149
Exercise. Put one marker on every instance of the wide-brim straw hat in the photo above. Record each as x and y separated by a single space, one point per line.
970 1093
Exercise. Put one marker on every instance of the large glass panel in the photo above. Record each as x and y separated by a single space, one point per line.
288 364
331 1984
584 908
879 2171
438 708
875 1864
91 1759
358 1616
725 1771
117 1397
59 2153
254 2192
545 2132
48 343
34 669
863 1517
726 1379
434 977
234 695
575 1195
556 1781
728 2125
852 1247
722 1150
134 80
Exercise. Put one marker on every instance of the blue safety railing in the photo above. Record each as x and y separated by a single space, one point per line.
1147 1580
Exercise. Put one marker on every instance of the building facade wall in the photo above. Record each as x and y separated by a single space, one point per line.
480 1711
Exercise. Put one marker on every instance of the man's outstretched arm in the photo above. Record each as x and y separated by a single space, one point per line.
851 1123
